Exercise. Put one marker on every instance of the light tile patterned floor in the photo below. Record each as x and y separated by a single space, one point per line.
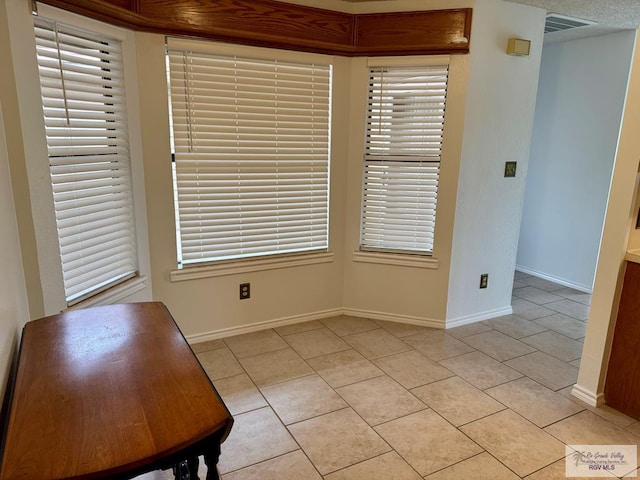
348 398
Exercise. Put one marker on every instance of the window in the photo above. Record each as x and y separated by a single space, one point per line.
250 154
405 121
81 80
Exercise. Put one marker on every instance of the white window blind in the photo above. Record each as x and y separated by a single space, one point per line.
251 153
405 121
81 80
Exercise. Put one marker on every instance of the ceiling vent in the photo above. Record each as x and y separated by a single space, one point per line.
559 23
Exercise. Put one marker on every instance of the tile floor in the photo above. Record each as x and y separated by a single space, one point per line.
349 398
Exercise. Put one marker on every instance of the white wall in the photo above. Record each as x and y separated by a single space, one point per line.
578 113
14 311
499 118
619 218
14 306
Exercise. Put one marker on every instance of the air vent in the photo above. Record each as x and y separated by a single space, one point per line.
559 23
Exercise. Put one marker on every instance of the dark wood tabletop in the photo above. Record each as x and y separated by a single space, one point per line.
104 391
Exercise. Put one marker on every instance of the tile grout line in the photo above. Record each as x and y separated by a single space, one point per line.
406 389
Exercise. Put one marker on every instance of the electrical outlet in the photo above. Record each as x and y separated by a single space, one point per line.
510 169
245 291
484 280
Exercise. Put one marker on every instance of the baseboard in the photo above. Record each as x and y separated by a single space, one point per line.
479 317
551 278
394 317
356 312
254 327
587 396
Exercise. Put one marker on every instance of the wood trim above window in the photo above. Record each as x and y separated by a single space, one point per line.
270 23
413 33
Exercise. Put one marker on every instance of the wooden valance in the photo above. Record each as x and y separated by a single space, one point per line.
270 23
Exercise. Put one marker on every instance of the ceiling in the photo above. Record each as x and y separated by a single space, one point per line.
610 15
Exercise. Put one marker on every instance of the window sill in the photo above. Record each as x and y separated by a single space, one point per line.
397 259
114 294
247 266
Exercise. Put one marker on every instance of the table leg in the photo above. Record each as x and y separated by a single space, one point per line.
181 471
211 460
193 463
187 469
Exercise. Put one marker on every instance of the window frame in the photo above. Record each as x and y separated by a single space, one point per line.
267 260
88 153
137 288
385 255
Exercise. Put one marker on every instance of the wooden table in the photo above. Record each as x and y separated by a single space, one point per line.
110 392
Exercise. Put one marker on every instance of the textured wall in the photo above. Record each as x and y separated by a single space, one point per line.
14 311
578 113
499 117
610 267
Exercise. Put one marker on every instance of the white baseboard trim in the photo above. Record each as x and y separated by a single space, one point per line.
254 327
587 396
281 322
479 317
356 312
394 317
551 278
